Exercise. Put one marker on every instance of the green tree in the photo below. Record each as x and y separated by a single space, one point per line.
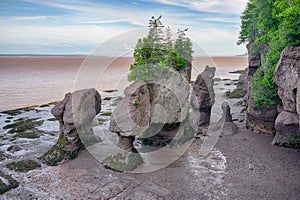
270 25
156 54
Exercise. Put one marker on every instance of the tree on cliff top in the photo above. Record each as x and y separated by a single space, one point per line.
156 54
270 25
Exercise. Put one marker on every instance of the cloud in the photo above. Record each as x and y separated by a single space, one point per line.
220 20
103 21
214 6
30 18
92 23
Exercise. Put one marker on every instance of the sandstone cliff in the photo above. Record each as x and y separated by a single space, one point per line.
287 77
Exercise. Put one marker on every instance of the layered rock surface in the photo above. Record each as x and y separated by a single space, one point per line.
202 99
258 119
157 113
152 112
75 114
287 76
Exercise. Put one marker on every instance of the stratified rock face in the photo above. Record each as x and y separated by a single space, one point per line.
132 115
187 72
163 102
203 97
298 100
287 76
243 81
169 99
260 120
146 110
254 59
75 114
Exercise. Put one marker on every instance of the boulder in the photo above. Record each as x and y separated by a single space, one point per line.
225 124
75 114
202 99
287 130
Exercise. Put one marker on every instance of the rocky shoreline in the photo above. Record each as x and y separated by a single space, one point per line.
238 163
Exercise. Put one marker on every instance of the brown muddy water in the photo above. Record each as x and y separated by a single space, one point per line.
26 81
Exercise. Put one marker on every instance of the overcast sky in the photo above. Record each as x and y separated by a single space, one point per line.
76 27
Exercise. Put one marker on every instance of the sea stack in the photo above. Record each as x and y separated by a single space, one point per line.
75 114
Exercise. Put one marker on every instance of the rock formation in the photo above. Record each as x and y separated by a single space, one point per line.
262 119
75 114
226 125
202 100
254 59
287 76
243 81
187 72
148 111
132 115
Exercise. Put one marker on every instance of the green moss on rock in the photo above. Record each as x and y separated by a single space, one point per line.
107 98
49 104
122 162
117 100
101 121
2 156
19 110
288 145
12 183
110 91
23 165
30 135
23 125
106 114
235 94
88 139
62 150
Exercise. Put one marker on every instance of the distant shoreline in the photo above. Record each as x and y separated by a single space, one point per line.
84 56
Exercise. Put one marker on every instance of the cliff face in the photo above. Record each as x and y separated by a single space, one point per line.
259 119
254 59
287 77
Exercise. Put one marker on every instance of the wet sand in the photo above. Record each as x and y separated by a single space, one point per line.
258 170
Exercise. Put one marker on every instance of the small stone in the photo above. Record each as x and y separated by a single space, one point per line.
225 124
14 148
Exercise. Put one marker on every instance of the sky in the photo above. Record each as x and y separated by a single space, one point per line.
80 27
